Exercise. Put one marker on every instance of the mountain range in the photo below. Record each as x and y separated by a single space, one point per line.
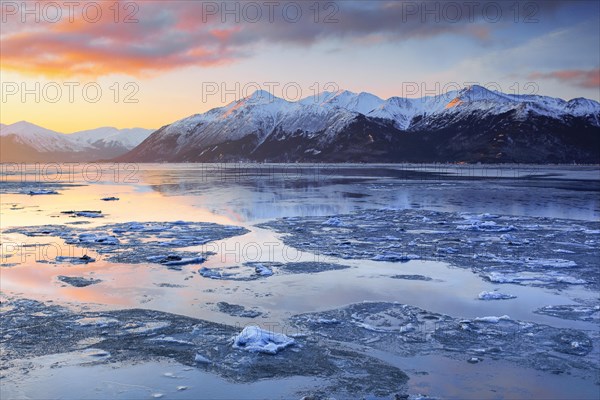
473 124
470 125
26 142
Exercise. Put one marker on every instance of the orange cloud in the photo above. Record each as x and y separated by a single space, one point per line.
78 46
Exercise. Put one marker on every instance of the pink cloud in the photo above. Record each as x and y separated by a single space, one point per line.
588 79
166 35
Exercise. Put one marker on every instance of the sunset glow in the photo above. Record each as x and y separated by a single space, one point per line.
150 60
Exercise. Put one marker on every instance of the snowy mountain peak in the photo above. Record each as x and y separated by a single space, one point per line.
582 106
478 93
259 97
25 128
41 139
109 136
357 102
47 141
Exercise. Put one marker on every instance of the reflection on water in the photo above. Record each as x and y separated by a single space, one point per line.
322 191
245 195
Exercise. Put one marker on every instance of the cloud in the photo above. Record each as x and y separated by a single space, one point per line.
588 79
158 36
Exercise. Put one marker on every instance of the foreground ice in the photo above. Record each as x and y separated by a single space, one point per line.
32 329
139 242
500 248
406 331
257 340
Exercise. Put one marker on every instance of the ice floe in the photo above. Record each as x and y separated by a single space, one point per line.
174 260
99 322
237 310
85 259
39 192
257 340
140 242
412 277
393 257
263 270
409 331
495 296
498 247
199 358
587 311
534 279
492 319
84 213
78 281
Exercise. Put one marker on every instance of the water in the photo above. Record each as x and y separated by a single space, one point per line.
246 195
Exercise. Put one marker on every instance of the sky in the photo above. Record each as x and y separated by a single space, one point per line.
75 65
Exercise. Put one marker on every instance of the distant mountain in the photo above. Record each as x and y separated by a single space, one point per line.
110 139
472 125
27 142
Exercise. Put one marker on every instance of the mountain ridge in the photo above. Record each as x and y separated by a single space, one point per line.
473 124
27 142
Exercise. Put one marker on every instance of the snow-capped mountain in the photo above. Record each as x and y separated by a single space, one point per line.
40 139
24 141
361 102
109 136
472 124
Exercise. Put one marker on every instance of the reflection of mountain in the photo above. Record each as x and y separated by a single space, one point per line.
256 193
473 124
26 142
268 191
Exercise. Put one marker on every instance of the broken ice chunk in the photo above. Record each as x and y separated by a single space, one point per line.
495 296
84 213
171 339
549 263
532 278
210 273
485 226
99 322
200 359
111 198
78 281
257 340
492 320
334 221
37 192
99 238
74 260
175 260
393 257
263 270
